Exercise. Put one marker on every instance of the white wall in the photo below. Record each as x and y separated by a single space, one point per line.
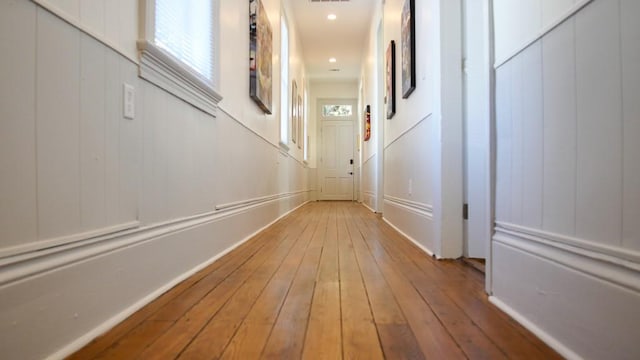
371 150
114 22
566 251
423 141
517 24
183 185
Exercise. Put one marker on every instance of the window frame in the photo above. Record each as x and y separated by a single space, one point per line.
170 73
285 130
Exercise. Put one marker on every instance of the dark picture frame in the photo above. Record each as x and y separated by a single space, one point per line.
408 48
260 56
390 97
367 123
294 112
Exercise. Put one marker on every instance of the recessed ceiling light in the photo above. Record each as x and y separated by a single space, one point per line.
332 16
332 60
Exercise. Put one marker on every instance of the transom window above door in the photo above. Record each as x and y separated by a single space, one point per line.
337 110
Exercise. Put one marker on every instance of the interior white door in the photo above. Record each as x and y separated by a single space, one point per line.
337 156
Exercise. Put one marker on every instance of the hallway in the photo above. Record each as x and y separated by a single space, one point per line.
331 280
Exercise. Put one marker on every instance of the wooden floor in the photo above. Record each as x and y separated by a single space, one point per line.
329 281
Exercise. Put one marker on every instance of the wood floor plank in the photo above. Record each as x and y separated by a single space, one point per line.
396 337
333 281
132 345
359 333
324 333
435 340
103 342
174 295
286 340
471 339
250 338
454 280
214 337
172 343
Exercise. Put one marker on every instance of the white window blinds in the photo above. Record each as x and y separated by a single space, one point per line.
184 29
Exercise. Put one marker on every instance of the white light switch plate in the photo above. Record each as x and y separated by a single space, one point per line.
129 103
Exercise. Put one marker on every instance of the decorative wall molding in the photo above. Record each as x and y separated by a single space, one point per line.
257 201
163 70
405 132
16 268
53 9
415 207
579 5
369 159
281 147
613 265
22 251
124 314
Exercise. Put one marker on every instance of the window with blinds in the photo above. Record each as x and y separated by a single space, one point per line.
184 29
179 49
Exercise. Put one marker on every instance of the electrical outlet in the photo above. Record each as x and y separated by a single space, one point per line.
129 101
410 186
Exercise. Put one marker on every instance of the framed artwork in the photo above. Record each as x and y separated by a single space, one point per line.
300 121
391 79
294 112
408 48
260 45
367 123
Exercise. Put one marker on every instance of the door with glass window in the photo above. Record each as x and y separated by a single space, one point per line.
336 178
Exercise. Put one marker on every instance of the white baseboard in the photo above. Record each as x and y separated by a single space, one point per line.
422 247
69 345
578 297
80 342
544 336
368 207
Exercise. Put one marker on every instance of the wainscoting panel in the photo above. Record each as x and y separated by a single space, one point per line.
599 100
565 258
18 207
582 303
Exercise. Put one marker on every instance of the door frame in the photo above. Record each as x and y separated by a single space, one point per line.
488 74
354 122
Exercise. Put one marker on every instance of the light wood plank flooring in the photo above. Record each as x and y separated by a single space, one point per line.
329 281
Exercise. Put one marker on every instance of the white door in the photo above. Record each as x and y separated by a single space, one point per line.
337 150
477 128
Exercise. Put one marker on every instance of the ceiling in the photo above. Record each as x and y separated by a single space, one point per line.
343 38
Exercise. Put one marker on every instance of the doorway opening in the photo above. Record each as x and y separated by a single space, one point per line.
336 178
477 107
